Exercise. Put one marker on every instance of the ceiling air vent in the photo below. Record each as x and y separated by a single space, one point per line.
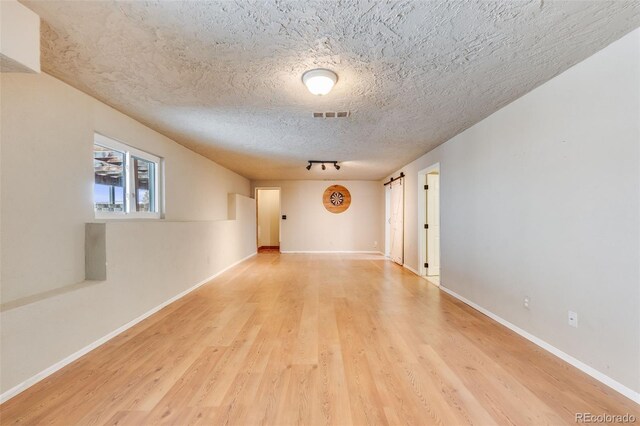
332 114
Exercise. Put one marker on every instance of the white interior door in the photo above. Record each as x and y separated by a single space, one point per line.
433 222
397 221
387 221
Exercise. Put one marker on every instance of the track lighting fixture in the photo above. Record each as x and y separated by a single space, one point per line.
323 164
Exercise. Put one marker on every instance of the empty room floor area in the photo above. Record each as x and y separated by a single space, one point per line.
316 339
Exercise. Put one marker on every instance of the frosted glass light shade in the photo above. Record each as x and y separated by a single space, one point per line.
319 81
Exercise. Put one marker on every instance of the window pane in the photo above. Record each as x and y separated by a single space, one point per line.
108 188
144 185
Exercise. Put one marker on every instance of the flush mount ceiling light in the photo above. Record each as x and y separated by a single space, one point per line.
319 81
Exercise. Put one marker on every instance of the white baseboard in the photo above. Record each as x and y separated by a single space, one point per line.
330 252
601 377
74 356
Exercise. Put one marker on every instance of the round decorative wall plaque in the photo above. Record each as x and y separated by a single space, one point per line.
336 198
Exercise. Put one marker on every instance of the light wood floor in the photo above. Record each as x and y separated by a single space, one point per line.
316 339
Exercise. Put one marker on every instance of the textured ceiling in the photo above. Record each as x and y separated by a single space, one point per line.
223 77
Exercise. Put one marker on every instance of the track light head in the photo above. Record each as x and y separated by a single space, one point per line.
336 166
324 167
309 166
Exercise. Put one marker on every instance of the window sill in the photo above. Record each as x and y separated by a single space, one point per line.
117 217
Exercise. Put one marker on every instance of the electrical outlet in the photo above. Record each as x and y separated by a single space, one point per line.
375 244
525 302
573 319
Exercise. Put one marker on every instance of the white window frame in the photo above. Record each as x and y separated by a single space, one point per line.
130 196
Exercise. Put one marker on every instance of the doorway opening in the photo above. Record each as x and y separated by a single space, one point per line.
394 220
268 219
429 213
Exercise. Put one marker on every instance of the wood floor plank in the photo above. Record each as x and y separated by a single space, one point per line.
366 404
179 396
306 345
333 392
277 340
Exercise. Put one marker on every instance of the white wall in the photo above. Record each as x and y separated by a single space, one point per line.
310 227
268 217
48 311
148 263
47 175
19 38
541 199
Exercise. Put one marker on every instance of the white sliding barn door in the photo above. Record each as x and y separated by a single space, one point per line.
433 222
396 221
